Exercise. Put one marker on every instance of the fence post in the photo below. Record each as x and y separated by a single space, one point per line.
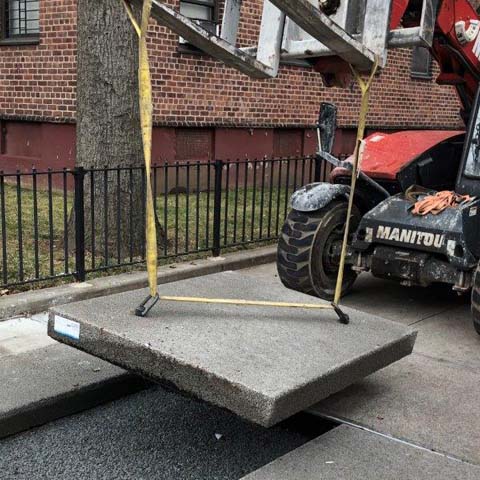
217 207
317 172
79 216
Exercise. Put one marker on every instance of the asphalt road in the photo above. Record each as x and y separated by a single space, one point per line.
155 434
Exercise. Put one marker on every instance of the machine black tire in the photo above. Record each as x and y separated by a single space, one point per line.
301 257
476 300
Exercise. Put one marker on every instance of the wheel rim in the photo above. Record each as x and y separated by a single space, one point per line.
327 252
330 259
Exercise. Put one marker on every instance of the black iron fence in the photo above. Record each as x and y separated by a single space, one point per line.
73 222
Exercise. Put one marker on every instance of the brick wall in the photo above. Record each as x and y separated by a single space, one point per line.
37 82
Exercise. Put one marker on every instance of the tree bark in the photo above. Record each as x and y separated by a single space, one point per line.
108 128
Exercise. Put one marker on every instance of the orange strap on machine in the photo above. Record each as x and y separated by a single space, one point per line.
435 204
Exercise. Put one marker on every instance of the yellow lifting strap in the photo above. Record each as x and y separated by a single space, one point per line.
146 119
362 122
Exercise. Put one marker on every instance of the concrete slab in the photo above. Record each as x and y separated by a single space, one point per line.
51 382
263 364
420 399
352 454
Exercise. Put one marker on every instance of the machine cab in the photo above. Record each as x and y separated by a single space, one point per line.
468 181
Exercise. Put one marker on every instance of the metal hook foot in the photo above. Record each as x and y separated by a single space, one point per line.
342 316
143 309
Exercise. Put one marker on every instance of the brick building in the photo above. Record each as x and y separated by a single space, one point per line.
203 110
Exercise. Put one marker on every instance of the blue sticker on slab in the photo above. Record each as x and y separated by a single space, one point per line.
66 327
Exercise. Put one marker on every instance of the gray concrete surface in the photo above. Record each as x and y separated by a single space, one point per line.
264 364
429 398
351 454
386 299
36 301
21 335
153 435
42 380
430 403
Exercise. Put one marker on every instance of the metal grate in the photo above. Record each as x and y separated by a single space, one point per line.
22 18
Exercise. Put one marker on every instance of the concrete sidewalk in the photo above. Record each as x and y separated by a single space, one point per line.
348 453
429 399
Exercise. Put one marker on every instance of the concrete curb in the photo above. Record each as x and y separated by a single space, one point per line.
41 300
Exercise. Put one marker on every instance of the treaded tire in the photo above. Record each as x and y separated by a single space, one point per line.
475 304
301 249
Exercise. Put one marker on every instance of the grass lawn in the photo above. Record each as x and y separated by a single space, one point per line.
247 215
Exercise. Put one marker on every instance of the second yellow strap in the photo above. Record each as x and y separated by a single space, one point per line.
362 122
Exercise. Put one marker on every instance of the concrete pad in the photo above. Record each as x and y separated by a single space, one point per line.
51 382
264 364
352 454
420 399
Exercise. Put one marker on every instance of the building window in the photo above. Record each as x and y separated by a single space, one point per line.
203 12
421 63
20 19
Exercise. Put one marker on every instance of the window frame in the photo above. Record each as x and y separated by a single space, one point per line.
214 5
427 74
20 39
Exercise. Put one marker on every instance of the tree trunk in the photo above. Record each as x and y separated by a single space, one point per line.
108 129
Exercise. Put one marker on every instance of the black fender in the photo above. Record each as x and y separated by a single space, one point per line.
317 195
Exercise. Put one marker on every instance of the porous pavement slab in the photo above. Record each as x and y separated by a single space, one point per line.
352 454
264 364
151 435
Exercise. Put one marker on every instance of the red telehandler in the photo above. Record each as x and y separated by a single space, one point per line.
397 171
